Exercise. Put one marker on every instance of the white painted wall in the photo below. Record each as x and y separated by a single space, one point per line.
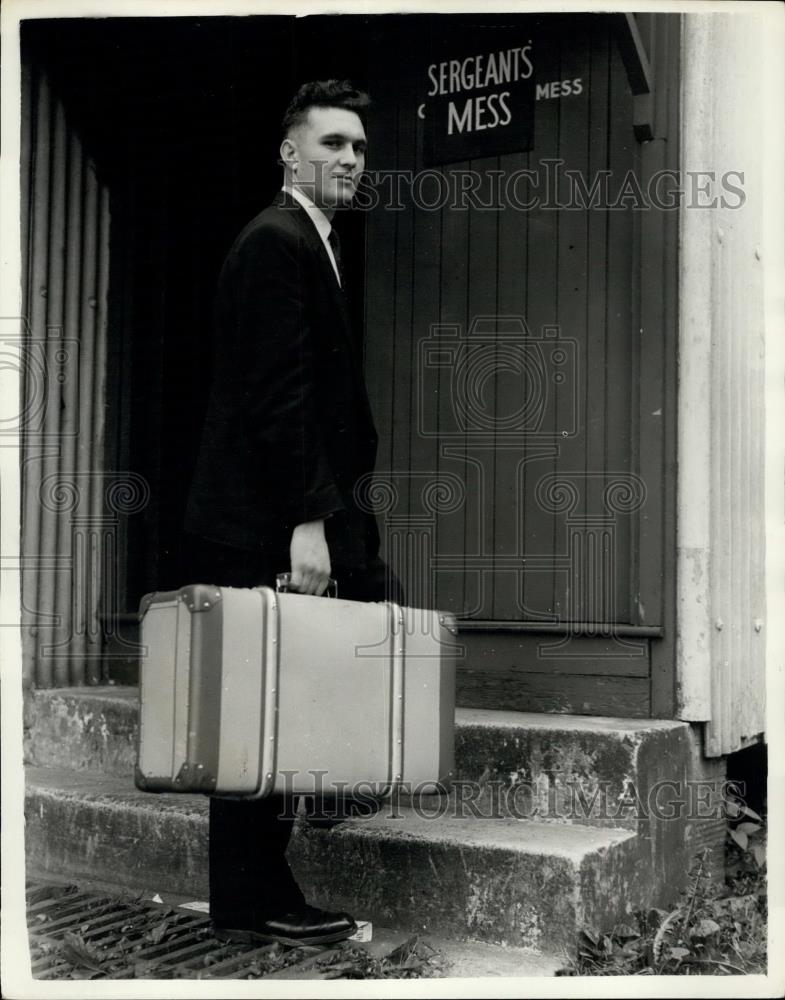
726 458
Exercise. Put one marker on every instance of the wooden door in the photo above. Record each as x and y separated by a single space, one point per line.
517 357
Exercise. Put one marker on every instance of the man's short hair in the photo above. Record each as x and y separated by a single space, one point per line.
324 94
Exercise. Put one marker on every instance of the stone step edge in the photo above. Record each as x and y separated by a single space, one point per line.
504 760
69 807
502 720
569 840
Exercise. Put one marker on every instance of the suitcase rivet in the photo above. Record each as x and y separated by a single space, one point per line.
207 604
400 741
272 739
269 775
274 641
273 690
200 767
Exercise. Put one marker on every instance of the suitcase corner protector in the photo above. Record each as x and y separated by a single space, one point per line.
145 602
142 782
448 621
200 596
194 596
195 778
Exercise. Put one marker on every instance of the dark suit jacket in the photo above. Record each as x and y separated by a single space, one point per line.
288 430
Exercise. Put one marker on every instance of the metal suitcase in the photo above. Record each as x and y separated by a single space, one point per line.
248 692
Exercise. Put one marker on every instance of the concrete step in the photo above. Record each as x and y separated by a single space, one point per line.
99 827
504 881
602 772
88 728
520 883
527 765
567 768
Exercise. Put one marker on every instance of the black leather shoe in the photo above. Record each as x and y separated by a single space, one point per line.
307 926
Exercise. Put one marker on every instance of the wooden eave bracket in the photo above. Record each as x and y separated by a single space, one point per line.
639 73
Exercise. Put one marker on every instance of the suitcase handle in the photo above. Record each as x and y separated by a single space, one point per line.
283 580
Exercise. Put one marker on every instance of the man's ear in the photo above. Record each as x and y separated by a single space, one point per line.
289 154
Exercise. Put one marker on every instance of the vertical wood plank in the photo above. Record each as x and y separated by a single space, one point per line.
756 711
404 385
450 530
693 660
739 419
509 477
573 594
426 487
595 379
650 412
753 669
380 277
480 359
543 256
663 657
621 382
722 520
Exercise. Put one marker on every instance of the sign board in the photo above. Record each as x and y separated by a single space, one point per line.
479 100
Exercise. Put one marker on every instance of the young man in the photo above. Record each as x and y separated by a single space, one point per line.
288 434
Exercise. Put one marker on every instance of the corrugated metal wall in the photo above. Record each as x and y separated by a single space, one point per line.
722 559
65 231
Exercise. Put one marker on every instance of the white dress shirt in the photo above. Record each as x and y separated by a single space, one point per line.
319 219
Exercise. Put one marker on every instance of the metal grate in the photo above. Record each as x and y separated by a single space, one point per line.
76 934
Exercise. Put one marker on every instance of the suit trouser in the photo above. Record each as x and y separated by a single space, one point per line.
250 878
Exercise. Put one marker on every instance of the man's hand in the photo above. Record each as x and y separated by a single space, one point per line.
310 559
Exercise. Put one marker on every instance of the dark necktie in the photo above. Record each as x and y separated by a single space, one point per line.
335 244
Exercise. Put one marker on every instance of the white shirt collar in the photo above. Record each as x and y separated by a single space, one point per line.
317 216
